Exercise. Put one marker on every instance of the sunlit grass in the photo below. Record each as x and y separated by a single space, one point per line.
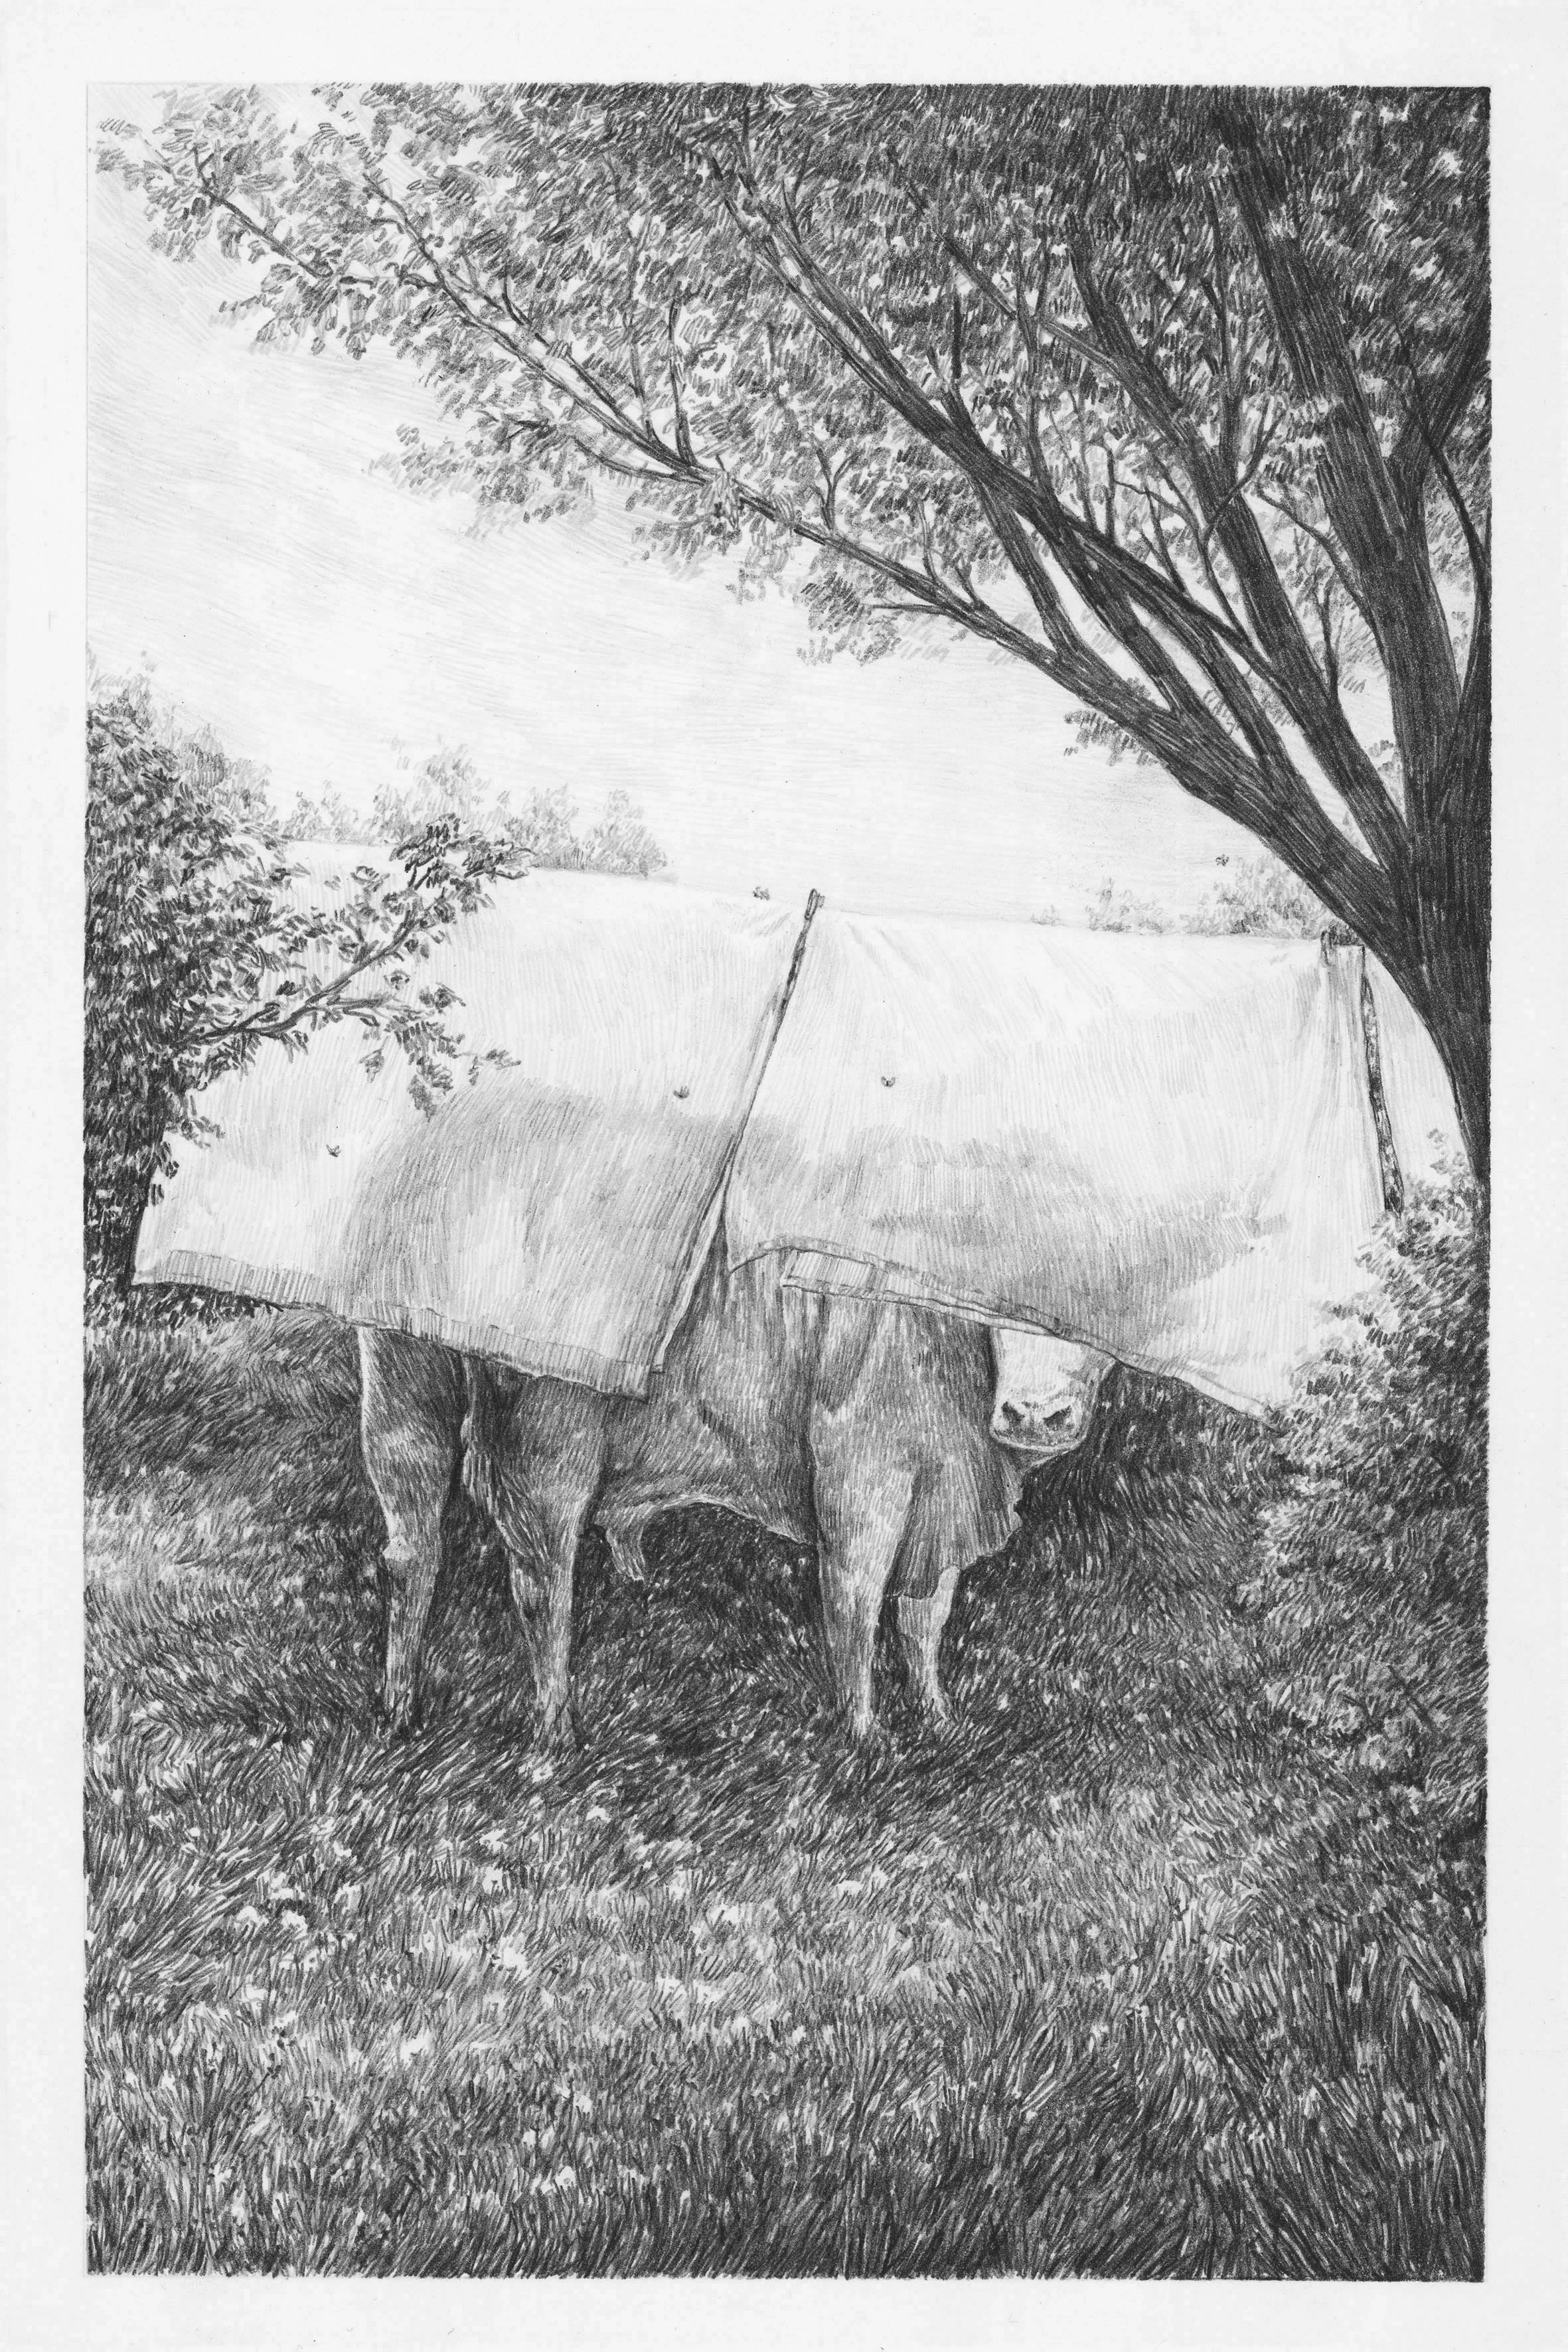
1142 1968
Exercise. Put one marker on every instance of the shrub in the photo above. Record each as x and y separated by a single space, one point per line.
1372 1560
327 818
1121 910
197 955
618 842
1262 896
544 830
179 908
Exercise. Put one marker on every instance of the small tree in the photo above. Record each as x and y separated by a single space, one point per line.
197 955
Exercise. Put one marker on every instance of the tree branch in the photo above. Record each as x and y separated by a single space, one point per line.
259 1023
579 385
951 431
1481 568
1425 430
1384 548
1292 668
1108 578
1321 539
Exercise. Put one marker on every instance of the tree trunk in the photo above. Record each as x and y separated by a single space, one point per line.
1461 1031
1453 874
1450 993
1447 974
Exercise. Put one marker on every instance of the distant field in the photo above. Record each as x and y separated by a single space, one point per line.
1159 1964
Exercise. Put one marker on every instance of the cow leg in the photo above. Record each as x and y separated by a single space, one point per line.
860 1522
920 1626
411 1419
542 1571
625 1540
540 1481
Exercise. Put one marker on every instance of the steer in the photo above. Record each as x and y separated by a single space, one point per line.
867 1430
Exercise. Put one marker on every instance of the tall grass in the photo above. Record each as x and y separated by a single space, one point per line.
1165 1962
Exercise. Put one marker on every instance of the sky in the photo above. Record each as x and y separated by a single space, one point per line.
243 546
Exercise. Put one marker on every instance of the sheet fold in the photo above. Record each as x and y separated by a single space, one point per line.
544 1215
1161 1146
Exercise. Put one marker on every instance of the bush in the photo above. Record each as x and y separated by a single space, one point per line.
543 831
1372 1558
179 908
1121 910
327 818
197 955
1262 898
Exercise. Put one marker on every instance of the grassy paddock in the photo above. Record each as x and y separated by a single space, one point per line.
1165 1962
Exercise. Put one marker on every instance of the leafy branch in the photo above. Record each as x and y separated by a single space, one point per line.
384 929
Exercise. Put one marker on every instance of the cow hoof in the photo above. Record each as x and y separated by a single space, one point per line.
401 1718
555 1732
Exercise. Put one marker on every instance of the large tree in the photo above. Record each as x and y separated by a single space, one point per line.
1179 395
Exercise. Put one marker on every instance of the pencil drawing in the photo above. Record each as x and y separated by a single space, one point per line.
788 1576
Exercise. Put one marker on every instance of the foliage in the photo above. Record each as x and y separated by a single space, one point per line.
1114 910
542 832
199 952
448 783
1156 1964
1262 898
328 817
617 841
1179 395
1373 1560
239 789
179 917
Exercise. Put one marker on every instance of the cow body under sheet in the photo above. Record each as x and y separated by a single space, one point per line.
695 1237
1161 1146
861 1429
552 1214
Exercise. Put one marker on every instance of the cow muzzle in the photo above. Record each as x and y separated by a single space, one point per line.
1033 1425
1046 1391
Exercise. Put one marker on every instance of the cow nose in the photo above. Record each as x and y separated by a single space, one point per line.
1045 1427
